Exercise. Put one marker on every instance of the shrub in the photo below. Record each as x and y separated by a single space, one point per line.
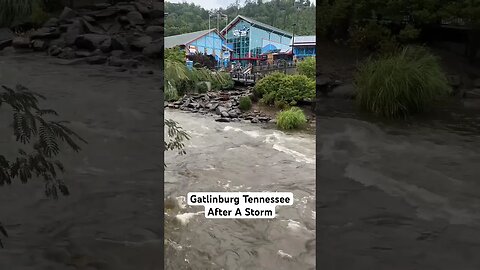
292 89
245 104
369 37
288 89
39 15
401 84
268 84
293 118
307 67
171 93
202 87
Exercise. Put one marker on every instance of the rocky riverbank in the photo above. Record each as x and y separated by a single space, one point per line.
123 35
223 106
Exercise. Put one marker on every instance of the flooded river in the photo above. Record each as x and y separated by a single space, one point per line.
240 157
112 219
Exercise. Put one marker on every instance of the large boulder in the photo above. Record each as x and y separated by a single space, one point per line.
154 50
39 45
346 91
157 12
52 22
138 43
104 13
110 44
67 15
119 62
142 8
154 31
6 37
90 42
46 33
135 18
90 28
21 43
74 30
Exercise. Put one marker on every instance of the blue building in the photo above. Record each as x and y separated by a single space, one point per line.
207 42
248 39
304 46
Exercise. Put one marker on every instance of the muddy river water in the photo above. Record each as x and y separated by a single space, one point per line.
390 196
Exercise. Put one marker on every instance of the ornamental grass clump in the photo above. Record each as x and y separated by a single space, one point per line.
401 84
294 118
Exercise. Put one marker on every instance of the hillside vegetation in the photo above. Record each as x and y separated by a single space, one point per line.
184 17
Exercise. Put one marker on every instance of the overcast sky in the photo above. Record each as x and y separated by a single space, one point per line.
208 4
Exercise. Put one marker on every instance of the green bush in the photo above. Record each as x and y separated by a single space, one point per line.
171 93
39 15
245 104
288 89
202 87
307 67
401 84
292 89
268 84
369 37
293 118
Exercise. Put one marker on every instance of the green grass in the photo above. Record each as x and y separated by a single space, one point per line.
245 104
294 118
401 84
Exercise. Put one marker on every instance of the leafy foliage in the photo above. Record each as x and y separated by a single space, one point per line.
288 89
245 104
177 137
35 11
185 17
30 127
401 84
175 55
307 67
293 118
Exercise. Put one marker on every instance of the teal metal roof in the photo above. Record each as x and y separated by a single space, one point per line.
257 23
184 39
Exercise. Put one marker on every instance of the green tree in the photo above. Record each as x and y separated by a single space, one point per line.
40 140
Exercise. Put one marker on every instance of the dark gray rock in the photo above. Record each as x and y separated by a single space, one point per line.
73 31
254 120
104 13
220 109
39 45
96 60
67 15
154 50
83 54
157 12
89 19
123 20
224 120
139 43
117 53
135 18
6 37
125 8
476 83
90 41
346 91
67 53
118 62
52 22
21 43
474 93
90 28
45 33
142 8
54 50
154 31
454 80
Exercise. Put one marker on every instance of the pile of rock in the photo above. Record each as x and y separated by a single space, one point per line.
222 105
120 35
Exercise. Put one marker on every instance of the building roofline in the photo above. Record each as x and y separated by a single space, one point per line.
255 22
